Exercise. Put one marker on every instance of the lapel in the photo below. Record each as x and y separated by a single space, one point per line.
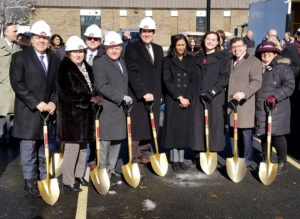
114 65
145 52
38 63
181 64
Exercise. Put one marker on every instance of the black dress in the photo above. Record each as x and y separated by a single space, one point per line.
179 79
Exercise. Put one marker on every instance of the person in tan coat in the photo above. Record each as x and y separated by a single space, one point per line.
7 48
244 81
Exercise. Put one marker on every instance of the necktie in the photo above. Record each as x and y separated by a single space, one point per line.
43 64
236 62
90 61
151 57
119 65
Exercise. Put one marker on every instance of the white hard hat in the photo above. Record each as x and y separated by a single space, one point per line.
112 38
75 43
41 28
298 30
147 23
93 31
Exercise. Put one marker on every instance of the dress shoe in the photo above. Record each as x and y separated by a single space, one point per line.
175 166
32 188
73 188
82 181
115 175
281 167
183 166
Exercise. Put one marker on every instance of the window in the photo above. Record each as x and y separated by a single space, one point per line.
89 17
201 21
148 13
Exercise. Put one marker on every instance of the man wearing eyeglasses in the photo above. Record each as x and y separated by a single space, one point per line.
93 40
244 80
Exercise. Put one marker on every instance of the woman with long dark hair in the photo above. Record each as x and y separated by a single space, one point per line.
179 79
213 79
58 46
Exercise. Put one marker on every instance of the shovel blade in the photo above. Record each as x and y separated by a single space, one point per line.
100 180
236 168
267 172
131 173
49 190
56 164
159 163
208 162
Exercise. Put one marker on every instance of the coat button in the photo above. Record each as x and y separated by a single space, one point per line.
179 80
184 74
184 85
178 85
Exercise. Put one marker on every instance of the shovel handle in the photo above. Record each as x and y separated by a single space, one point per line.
127 108
235 133
97 109
269 137
129 138
97 135
206 129
46 142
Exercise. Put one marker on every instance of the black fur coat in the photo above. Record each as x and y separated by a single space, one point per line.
75 115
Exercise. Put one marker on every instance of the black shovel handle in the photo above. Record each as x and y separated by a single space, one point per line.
268 108
127 108
234 104
149 106
98 109
45 117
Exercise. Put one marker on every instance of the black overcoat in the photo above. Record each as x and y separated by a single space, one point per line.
179 78
278 81
31 86
144 77
212 80
75 115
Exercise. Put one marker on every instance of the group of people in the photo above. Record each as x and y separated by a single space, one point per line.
77 79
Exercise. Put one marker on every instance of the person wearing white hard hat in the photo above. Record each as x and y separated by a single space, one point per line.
93 36
144 65
32 75
111 80
7 99
75 114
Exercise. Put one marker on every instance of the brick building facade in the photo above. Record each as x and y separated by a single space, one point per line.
67 20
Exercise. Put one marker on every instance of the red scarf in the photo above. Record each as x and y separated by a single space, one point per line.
296 43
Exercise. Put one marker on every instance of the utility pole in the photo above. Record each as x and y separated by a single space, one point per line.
208 15
288 16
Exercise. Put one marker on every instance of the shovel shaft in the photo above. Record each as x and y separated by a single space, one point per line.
46 145
206 129
129 139
97 134
154 132
269 136
235 135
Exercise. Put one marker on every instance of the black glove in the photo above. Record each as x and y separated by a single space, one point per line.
205 97
232 104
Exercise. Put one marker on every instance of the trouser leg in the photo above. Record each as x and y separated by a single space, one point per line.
92 154
145 148
104 162
135 150
80 166
263 139
248 145
29 159
279 142
2 126
69 163
174 155
181 155
114 151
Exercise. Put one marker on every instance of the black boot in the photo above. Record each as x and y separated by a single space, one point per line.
73 188
82 181
281 167
32 187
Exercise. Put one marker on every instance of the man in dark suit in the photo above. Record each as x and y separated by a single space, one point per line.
144 65
32 76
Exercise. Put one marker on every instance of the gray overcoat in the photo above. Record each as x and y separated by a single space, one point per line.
112 83
246 76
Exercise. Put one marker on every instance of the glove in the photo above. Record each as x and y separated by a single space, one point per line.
232 104
127 100
206 97
96 100
271 101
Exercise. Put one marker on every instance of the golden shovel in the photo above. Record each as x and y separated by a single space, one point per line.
267 170
131 171
56 162
99 175
49 188
208 160
235 166
159 162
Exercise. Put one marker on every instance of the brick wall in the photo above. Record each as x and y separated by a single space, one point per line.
66 22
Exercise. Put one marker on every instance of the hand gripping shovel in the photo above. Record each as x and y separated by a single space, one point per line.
159 162
99 175
56 162
235 166
131 171
267 170
208 160
49 188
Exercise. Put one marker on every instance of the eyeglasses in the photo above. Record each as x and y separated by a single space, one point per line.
92 38
237 47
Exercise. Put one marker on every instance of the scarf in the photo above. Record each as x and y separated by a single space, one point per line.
296 43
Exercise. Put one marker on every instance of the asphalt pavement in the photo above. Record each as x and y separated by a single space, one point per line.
184 194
